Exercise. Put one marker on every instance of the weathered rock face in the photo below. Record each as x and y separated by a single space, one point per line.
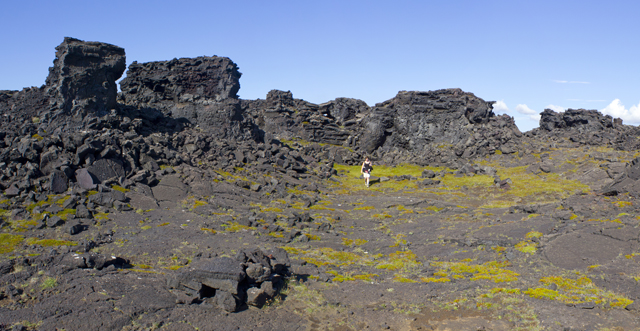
154 84
200 90
83 78
626 182
283 117
21 110
588 127
580 120
424 122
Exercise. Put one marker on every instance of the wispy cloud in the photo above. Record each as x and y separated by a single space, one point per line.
570 82
524 109
617 109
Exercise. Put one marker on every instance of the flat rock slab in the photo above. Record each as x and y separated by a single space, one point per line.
170 188
220 273
579 250
141 201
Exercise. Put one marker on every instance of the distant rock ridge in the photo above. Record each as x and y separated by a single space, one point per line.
75 129
586 127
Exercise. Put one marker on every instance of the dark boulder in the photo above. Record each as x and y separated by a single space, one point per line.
104 169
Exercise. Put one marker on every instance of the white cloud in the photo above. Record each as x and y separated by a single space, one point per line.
617 109
500 107
524 109
557 109
535 117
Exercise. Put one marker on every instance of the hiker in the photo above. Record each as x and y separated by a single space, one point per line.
366 170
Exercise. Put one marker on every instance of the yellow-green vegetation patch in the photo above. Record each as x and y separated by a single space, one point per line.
9 242
353 242
312 236
365 208
349 181
329 256
146 227
605 220
526 247
212 231
142 266
120 188
271 209
533 234
434 208
48 282
21 225
64 214
235 227
101 216
493 271
435 280
163 224
400 260
398 278
574 291
622 204
545 187
50 242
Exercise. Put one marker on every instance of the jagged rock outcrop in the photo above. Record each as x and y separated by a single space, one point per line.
164 83
281 116
20 113
83 78
432 124
626 182
585 127
202 91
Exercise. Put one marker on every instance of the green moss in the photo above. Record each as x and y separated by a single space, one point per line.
493 271
146 227
400 260
9 242
64 214
120 188
574 291
212 231
48 283
526 247
101 216
235 227
365 208
352 242
533 234
50 242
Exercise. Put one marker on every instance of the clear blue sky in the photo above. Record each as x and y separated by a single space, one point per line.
529 55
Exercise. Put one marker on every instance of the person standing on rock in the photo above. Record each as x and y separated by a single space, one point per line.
365 170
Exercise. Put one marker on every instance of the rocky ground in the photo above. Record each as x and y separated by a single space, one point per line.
174 205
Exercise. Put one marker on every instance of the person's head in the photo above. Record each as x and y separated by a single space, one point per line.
366 159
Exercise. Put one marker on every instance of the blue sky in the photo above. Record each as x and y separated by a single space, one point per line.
528 55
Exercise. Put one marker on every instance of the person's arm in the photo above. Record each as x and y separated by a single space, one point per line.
362 168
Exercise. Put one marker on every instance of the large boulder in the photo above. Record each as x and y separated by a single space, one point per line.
163 83
437 122
83 78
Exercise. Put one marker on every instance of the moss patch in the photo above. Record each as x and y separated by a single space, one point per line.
9 242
